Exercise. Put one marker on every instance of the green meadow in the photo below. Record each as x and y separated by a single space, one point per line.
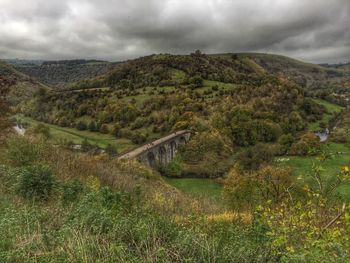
198 187
61 135
331 108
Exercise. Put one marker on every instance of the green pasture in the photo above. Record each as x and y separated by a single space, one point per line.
331 108
63 134
196 186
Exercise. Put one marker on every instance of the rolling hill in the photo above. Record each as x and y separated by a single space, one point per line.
247 98
22 87
62 73
325 81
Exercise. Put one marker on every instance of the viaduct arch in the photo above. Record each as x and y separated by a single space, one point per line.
159 152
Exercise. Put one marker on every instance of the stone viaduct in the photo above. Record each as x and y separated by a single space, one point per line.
159 152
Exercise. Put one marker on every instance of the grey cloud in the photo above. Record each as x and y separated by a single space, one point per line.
317 31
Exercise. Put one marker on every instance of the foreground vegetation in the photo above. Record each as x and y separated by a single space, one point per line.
58 206
53 210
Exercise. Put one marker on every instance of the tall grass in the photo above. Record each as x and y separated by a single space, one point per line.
101 210
105 211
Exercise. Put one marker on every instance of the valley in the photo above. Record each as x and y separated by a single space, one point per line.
168 131
253 151
132 112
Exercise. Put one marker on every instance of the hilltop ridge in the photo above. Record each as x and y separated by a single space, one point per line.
326 81
235 68
62 73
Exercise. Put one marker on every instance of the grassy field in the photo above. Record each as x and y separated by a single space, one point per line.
63 134
340 156
302 166
331 108
196 186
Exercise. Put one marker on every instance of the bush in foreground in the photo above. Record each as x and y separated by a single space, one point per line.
36 182
24 151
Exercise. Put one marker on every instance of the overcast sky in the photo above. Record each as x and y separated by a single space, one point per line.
311 30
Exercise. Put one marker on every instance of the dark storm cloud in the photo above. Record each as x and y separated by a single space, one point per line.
315 30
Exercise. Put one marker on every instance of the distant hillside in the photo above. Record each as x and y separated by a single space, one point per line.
328 82
65 72
167 70
160 93
22 87
324 81
302 73
163 70
228 100
340 65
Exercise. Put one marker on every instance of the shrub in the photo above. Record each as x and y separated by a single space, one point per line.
309 143
43 130
36 182
135 168
24 151
111 150
300 148
116 130
196 81
92 126
104 129
138 123
215 87
206 154
285 142
63 122
81 126
323 125
340 136
239 189
205 142
245 189
293 123
71 191
174 168
181 125
254 157
4 108
125 133
138 137
268 131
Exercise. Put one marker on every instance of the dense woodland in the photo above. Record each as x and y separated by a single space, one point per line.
59 73
247 116
230 99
